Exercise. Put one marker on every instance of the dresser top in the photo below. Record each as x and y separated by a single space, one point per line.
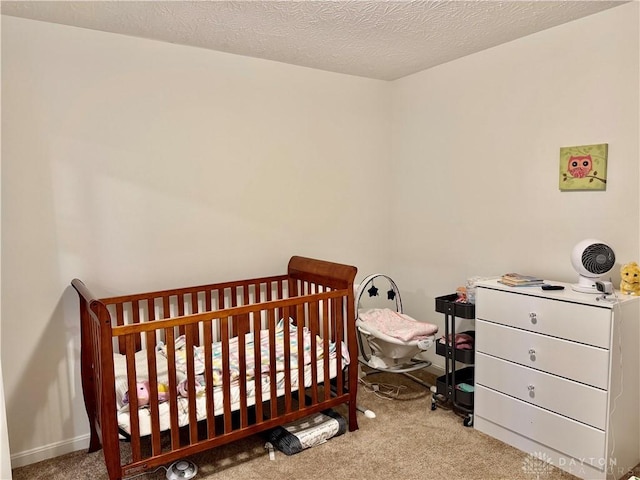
566 295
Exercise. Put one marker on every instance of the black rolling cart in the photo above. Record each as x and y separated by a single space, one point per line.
455 387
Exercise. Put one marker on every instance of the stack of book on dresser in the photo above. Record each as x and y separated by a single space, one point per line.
519 280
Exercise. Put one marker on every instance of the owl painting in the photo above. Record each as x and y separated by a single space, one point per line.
579 165
584 167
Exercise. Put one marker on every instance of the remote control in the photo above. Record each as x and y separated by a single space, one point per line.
552 287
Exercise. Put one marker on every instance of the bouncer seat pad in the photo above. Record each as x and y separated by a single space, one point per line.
395 324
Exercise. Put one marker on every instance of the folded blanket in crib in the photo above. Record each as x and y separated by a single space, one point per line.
397 325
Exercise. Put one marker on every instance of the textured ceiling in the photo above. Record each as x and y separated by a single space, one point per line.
376 39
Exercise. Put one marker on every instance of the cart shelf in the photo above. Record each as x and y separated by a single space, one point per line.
458 354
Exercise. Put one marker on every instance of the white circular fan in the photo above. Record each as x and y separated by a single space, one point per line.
592 259
182 469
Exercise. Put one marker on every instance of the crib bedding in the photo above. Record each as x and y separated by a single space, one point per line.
161 356
234 355
144 415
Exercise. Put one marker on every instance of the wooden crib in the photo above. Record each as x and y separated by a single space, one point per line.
226 389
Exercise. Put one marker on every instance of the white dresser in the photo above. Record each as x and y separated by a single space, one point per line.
557 376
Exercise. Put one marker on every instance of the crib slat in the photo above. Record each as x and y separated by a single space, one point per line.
339 326
153 384
156 448
208 369
190 333
292 287
234 303
180 301
257 365
326 345
166 309
287 363
313 328
257 292
300 366
280 289
133 398
273 385
120 321
226 373
221 304
242 379
135 307
195 304
173 401
207 300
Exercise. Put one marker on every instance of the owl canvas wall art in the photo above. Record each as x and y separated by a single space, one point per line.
584 167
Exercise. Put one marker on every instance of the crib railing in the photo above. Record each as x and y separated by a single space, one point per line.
166 304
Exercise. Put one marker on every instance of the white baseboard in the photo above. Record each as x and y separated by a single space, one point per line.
52 450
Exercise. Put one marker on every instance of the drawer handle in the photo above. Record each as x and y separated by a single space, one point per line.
531 388
532 351
533 317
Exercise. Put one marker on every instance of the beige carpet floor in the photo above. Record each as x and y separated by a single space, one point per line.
406 440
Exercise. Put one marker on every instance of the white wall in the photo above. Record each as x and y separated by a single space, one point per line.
128 149
136 165
476 146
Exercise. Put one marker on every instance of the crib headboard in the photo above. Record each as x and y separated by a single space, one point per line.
333 275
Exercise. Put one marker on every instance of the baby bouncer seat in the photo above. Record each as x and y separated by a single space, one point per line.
389 340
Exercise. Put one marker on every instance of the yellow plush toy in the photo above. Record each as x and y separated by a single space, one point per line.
630 279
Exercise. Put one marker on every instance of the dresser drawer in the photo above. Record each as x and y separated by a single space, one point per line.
575 400
555 431
575 361
572 321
